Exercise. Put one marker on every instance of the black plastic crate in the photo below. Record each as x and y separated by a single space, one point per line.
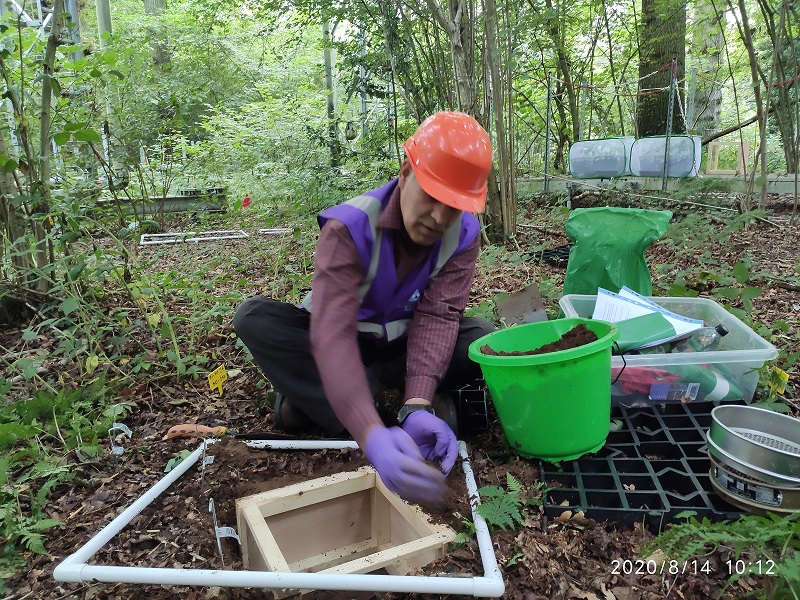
653 466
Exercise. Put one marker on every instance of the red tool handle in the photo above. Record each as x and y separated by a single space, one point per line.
187 430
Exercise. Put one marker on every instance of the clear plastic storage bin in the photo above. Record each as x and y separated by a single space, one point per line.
728 373
606 157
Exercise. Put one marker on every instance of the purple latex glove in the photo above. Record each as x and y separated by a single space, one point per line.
434 438
402 468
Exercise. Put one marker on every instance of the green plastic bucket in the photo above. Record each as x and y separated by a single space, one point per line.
555 406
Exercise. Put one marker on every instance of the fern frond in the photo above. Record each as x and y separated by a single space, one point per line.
491 491
514 486
502 511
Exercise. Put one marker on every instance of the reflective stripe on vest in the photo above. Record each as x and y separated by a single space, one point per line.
372 207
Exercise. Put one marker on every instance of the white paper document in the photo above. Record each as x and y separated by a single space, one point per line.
627 304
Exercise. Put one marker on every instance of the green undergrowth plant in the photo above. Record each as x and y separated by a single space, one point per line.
502 508
41 438
106 312
494 257
735 287
177 459
693 239
765 546
773 380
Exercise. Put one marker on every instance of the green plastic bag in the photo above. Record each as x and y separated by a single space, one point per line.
608 246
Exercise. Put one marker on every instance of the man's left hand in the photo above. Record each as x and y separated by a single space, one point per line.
435 439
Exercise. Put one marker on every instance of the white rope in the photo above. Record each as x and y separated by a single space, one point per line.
683 114
642 92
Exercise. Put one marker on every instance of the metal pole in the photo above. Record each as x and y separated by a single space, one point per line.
547 140
362 79
670 105
333 141
584 88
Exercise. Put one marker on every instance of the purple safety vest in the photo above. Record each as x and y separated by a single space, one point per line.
387 304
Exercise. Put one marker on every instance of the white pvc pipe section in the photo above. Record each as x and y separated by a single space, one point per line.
75 568
301 444
150 239
490 567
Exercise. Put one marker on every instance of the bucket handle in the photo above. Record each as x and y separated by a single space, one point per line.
624 364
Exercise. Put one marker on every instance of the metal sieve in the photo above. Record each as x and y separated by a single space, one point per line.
749 493
726 458
758 442
770 442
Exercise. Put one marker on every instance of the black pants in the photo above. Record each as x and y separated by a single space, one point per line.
277 335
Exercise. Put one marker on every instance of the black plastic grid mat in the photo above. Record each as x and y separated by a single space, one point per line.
653 466
556 257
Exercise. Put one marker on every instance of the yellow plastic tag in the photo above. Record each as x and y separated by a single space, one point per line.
216 377
778 380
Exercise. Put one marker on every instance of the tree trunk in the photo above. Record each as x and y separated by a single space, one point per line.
663 40
408 58
12 222
103 10
458 88
612 69
795 64
158 42
555 33
707 44
498 55
459 23
333 129
746 33
780 82
43 249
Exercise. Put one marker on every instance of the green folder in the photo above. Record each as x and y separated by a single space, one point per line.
644 330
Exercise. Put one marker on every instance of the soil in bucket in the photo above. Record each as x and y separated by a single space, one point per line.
550 385
579 335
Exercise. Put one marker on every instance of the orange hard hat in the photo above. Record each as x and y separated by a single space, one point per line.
451 156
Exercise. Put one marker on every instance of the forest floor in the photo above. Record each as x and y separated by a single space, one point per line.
569 558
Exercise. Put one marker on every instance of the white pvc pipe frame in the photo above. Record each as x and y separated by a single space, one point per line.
75 567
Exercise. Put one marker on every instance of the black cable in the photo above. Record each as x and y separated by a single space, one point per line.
624 364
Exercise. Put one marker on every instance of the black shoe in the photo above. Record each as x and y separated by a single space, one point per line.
288 418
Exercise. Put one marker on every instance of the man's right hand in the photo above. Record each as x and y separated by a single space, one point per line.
402 467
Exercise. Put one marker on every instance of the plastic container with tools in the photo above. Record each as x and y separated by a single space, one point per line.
728 373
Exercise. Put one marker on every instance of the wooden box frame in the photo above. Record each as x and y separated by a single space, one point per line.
712 157
343 523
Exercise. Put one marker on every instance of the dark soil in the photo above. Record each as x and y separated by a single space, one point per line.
580 335
570 557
